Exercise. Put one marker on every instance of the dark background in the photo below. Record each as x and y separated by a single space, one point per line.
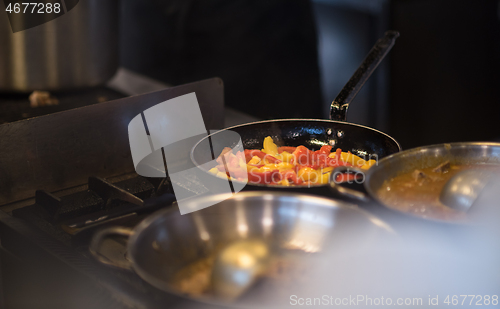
445 71
283 58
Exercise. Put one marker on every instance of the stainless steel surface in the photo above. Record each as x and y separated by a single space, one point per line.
166 242
78 49
462 189
237 267
338 109
429 156
62 150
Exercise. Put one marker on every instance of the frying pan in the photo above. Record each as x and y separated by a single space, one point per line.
360 140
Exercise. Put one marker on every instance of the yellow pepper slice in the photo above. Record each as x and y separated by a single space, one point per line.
252 168
221 174
324 178
352 159
369 164
327 169
285 166
254 160
308 174
242 164
286 156
284 182
270 147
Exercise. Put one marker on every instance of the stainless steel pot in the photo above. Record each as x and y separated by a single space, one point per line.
417 158
78 49
166 242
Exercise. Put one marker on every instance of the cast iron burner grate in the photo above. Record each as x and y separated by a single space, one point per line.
72 218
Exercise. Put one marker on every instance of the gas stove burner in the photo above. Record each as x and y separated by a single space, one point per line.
102 203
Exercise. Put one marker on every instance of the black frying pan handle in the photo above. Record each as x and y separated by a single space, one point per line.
338 109
343 191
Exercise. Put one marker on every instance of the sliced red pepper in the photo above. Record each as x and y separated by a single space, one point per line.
249 154
240 155
291 175
338 152
333 162
268 177
302 155
257 165
272 159
300 166
319 159
345 177
225 150
232 162
288 149
237 173
325 149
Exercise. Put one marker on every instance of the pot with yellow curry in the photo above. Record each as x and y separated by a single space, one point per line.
412 181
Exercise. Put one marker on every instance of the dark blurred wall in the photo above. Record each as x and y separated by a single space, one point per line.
347 30
442 75
445 71
265 51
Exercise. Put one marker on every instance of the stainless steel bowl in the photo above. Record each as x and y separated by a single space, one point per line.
166 242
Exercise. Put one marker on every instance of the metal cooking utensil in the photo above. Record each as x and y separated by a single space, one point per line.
463 188
237 267
338 109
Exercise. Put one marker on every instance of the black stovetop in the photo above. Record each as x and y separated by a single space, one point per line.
48 242
44 256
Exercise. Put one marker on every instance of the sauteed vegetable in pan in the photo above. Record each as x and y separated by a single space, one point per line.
285 165
311 137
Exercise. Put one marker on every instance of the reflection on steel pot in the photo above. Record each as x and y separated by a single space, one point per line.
175 253
423 166
78 49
